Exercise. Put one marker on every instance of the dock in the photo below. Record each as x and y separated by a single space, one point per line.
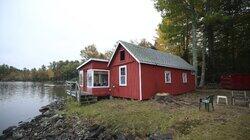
73 89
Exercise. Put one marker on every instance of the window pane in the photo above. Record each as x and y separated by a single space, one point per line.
122 71
122 55
167 77
80 77
122 79
184 77
123 75
89 78
83 78
100 78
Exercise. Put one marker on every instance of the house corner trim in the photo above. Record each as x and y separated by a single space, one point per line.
140 85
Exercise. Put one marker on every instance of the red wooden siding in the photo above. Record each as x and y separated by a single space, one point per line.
153 81
152 78
132 88
235 81
94 65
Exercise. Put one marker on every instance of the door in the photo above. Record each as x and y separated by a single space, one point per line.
114 83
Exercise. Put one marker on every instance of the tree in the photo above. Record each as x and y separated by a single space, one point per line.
26 74
34 74
50 74
56 71
215 32
146 44
161 43
89 51
42 74
108 54
177 15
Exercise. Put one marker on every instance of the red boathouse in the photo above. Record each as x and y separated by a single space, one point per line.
235 81
137 72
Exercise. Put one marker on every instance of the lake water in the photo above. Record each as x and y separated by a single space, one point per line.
21 101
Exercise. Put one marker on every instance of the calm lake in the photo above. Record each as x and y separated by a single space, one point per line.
21 101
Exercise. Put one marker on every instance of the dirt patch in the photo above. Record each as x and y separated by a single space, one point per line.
186 126
175 101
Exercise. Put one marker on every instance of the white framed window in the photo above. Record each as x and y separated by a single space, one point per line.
81 80
123 75
97 78
184 77
167 76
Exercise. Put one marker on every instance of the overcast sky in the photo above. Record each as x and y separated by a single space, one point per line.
36 32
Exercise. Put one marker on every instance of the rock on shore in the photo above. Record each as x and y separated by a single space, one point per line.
52 125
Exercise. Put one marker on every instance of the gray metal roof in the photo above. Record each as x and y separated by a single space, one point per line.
154 57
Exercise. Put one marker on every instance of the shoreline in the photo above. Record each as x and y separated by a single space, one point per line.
52 123
24 129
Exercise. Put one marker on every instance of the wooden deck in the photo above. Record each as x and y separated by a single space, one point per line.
73 89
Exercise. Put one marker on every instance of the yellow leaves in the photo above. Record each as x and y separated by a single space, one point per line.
50 73
167 21
162 43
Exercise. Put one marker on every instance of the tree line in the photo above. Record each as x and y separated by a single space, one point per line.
213 35
56 71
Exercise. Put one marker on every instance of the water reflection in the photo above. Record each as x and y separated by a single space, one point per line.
20 101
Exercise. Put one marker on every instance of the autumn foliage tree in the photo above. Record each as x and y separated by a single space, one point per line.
211 34
91 51
56 71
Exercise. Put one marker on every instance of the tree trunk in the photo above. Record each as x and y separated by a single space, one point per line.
211 57
203 67
194 49
186 42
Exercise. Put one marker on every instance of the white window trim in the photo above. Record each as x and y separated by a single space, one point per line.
170 81
120 67
92 74
184 73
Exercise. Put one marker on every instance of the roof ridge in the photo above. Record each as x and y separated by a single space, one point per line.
151 49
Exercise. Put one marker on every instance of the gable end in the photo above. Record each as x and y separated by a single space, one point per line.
116 49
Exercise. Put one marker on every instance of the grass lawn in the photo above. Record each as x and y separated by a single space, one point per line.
185 122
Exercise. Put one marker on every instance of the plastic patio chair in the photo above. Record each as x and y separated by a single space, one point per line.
207 101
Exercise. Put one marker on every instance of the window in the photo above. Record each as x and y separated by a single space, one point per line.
100 78
81 77
97 78
184 77
123 75
85 78
89 78
192 72
122 55
167 76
